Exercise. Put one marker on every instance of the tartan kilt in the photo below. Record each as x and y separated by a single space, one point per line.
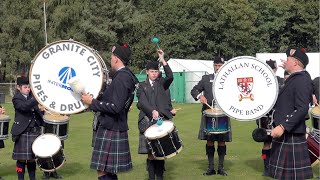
143 145
289 157
202 135
111 152
22 149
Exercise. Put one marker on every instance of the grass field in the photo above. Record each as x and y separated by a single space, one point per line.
242 160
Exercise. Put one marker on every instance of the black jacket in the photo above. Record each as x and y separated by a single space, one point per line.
163 102
293 102
25 111
205 86
116 101
316 86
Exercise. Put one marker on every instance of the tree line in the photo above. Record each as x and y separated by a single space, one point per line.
190 29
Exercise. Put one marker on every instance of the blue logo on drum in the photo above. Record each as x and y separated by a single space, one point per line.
65 74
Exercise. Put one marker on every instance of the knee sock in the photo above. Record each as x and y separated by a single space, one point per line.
210 154
20 168
108 176
32 169
151 169
265 156
222 151
159 169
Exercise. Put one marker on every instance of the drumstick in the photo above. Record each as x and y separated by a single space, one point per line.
178 109
48 112
317 104
209 106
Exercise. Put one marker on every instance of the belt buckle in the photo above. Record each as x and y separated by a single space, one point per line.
35 129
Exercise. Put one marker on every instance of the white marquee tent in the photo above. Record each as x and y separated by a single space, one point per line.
195 69
313 67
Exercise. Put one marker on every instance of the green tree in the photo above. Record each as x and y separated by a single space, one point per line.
19 36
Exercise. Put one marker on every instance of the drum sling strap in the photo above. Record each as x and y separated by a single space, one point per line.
131 97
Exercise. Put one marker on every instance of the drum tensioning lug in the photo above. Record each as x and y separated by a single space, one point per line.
38 162
314 154
53 163
62 150
170 136
150 147
161 148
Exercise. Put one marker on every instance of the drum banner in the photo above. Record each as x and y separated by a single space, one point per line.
245 88
53 69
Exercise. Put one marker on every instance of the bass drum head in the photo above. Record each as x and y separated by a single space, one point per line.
54 66
156 132
46 145
245 88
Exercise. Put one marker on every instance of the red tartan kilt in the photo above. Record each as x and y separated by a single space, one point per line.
289 157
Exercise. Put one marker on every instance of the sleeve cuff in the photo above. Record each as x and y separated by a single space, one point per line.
198 97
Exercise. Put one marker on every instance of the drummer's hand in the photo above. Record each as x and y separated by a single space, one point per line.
86 98
283 63
161 56
173 111
42 108
155 115
315 100
203 99
277 131
2 110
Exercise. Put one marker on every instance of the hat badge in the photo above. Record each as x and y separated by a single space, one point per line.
292 51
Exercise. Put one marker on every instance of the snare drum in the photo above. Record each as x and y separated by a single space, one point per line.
313 146
56 124
216 121
4 127
315 116
163 140
49 152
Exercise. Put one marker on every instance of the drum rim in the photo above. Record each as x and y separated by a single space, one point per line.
5 118
313 113
55 121
52 170
215 114
170 155
32 147
163 135
99 58
254 58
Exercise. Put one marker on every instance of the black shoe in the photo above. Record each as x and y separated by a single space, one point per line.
210 172
1 178
46 175
55 175
222 172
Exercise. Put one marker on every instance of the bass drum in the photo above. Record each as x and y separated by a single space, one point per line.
54 66
245 88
